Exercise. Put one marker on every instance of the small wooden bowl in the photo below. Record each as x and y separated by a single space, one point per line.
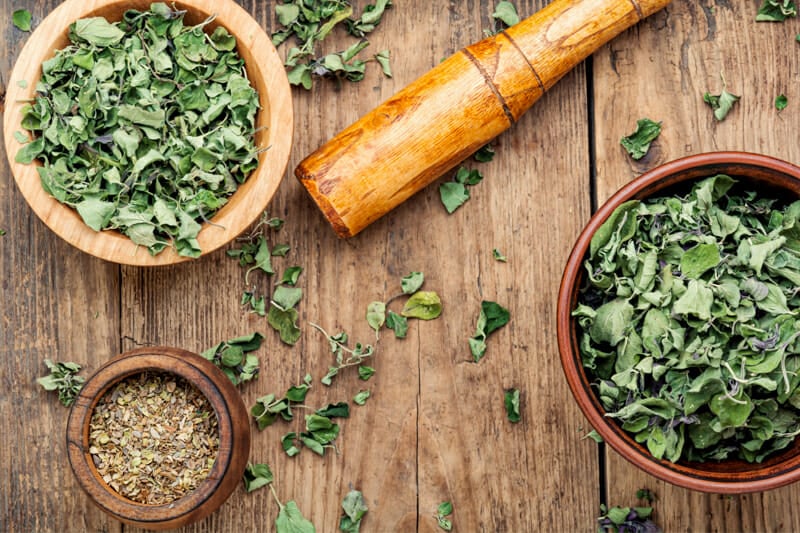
233 426
766 175
274 120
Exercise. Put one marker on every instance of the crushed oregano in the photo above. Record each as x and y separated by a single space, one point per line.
153 438
144 126
687 322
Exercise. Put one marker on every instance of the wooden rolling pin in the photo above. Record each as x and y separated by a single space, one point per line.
427 128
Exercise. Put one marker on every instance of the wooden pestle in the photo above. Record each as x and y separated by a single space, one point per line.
437 121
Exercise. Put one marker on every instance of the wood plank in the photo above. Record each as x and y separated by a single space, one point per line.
531 204
59 304
661 70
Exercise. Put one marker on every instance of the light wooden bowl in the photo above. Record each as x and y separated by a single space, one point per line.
233 426
275 120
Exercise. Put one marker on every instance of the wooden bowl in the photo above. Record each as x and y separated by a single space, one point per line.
274 120
761 173
233 426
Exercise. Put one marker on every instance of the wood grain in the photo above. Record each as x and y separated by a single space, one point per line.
434 428
661 70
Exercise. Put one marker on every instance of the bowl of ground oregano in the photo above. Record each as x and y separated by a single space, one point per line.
158 437
148 133
679 322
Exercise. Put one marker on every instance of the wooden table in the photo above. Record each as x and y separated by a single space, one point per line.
434 428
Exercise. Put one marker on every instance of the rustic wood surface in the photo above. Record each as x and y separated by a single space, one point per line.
434 428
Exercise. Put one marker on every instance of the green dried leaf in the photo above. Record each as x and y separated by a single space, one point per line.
444 510
721 103
365 372
361 397
354 508
291 275
637 143
376 315
453 195
95 30
285 323
498 256
291 520
511 398
424 305
398 324
781 102
257 476
412 283
63 379
382 58
776 10
492 317
22 19
505 12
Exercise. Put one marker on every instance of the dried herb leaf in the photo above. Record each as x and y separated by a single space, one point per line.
492 317
398 324
776 10
781 102
361 397
22 19
291 520
637 143
233 357
424 305
511 398
354 508
376 315
498 256
64 379
506 12
444 510
256 476
412 283
720 103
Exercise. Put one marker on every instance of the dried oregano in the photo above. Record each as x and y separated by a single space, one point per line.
144 125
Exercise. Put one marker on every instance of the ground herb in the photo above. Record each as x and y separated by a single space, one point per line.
444 510
781 102
776 10
233 357
687 322
354 508
153 438
22 19
63 378
511 400
637 144
492 317
310 22
144 126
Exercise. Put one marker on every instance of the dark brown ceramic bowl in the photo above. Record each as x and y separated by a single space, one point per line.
767 176
233 426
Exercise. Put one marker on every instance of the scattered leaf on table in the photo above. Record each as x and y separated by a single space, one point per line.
638 143
22 19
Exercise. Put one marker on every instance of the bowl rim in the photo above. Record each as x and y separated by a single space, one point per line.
254 194
233 430
775 474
